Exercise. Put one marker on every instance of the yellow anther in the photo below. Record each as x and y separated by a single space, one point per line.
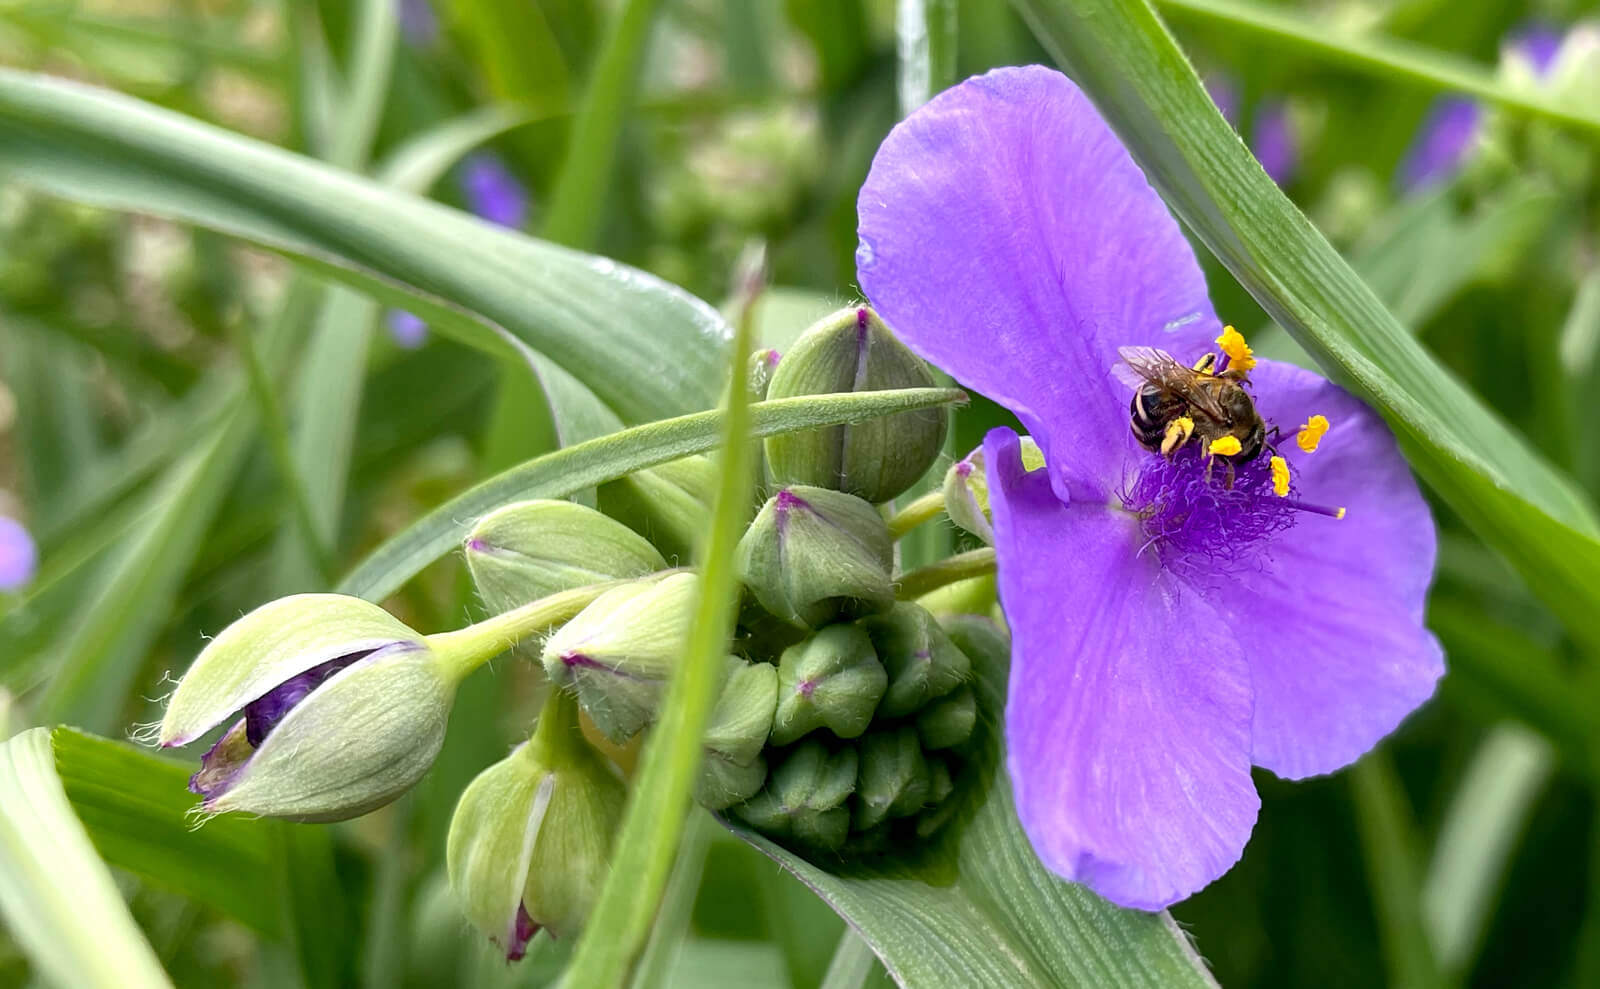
1178 432
1280 477
1239 356
1338 513
1311 433
1224 446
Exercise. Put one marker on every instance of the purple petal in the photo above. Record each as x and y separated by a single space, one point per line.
1447 136
407 329
522 931
263 714
1538 42
1127 724
1331 621
222 762
1007 237
18 556
492 192
1274 141
417 23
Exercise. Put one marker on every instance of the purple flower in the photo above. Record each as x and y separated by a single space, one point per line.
492 192
417 23
407 329
1448 134
1224 92
1536 41
18 556
1169 631
1275 142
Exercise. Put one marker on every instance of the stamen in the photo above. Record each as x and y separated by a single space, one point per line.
1240 357
1178 432
1311 433
1301 506
1224 446
1280 477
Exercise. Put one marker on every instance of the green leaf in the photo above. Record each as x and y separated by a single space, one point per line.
1389 844
58 898
646 348
653 820
558 474
976 908
1122 56
136 807
1288 30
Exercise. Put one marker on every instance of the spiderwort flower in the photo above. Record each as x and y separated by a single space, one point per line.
1169 631
344 709
18 555
492 191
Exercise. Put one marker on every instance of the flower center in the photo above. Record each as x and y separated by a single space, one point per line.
1194 519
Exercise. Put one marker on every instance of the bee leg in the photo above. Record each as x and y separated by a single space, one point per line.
1206 364
1228 484
1178 432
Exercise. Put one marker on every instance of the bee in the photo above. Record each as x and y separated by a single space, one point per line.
1173 404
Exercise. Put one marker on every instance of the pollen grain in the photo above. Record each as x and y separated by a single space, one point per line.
1311 433
1240 357
1280 477
1224 446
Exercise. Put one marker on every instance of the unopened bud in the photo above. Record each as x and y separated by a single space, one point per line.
668 505
852 350
966 490
948 721
533 549
812 555
733 769
922 662
894 778
832 680
619 652
344 709
805 796
530 841
762 365
941 785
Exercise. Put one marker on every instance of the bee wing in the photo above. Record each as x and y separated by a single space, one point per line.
1143 364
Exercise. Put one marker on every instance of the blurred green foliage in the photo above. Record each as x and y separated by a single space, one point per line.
671 135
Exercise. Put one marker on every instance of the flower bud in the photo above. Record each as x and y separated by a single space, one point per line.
812 555
530 842
831 680
619 652
894 778
533 549
805 797
344 710
966 489
762 364
667 504
852 350
922 662
948 721
733 769
940 787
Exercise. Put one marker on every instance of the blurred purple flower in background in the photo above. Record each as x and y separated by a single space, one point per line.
1169 630
493 193
418 24
18 556
1273 139
1453 124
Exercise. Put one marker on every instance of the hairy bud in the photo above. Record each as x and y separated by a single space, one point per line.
733 769
533 549
832 680
922 662
805 796
812 555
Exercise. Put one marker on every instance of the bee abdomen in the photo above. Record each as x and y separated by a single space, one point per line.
1148 416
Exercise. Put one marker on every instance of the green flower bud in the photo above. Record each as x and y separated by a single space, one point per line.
667 504
533 549
619 652
923 663
762 365
530 842
733 769
966 490
344 710
894 778
812 555
940 787
948 721
832 680
805 797
852 350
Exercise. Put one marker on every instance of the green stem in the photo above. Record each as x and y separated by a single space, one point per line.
466 649
1388 838
962 566
924 509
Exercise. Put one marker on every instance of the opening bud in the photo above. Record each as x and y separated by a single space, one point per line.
948 721
665 504
832 680
812 555
530 842
533 549
805 797
922 662
852 350
733 769
762 365
344 709
619 652
894 779
966 490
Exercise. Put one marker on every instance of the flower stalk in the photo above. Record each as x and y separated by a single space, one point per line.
464 650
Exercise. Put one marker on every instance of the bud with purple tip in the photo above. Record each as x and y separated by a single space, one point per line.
531 549
813 554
